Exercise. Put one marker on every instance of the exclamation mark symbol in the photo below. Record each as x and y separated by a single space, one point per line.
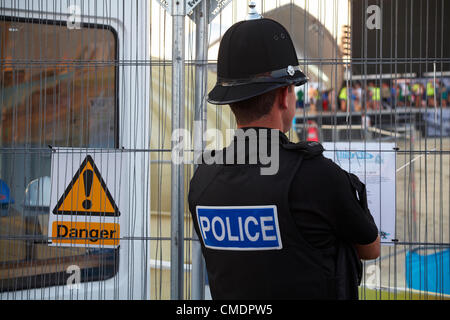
88 177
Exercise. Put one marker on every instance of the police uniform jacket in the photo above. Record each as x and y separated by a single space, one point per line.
287 235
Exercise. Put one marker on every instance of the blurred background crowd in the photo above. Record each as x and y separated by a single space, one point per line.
370 95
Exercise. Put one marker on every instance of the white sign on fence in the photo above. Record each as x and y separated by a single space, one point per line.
374 164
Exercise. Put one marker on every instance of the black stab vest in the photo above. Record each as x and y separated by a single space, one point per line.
297 270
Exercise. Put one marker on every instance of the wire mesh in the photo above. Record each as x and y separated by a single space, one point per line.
98 76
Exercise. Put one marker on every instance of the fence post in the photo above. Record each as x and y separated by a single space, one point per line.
201 57
177 169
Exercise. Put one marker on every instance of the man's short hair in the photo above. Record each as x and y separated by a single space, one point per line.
254 108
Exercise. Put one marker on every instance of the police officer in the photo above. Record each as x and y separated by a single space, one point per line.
297 231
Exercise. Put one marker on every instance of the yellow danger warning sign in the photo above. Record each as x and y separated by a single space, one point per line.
85 210
86 233
87 194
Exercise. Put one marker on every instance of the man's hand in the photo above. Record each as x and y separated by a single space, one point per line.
369 251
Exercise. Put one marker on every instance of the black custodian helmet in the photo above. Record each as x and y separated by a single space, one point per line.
255 56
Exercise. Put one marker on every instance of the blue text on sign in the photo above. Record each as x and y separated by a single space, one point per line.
239 227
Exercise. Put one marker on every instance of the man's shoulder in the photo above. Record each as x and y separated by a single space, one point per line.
312 153
314 164
309 149
319 167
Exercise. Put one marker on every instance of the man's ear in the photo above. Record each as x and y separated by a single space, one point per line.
283 98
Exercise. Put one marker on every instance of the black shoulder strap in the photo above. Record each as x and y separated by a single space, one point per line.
361 192
348 271
348 264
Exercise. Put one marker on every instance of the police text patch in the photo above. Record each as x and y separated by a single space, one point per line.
239 227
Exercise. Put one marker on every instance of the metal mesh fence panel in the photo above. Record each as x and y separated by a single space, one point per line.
91 93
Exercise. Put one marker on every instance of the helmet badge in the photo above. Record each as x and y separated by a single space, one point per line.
290 70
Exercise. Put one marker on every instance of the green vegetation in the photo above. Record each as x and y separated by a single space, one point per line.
399 294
